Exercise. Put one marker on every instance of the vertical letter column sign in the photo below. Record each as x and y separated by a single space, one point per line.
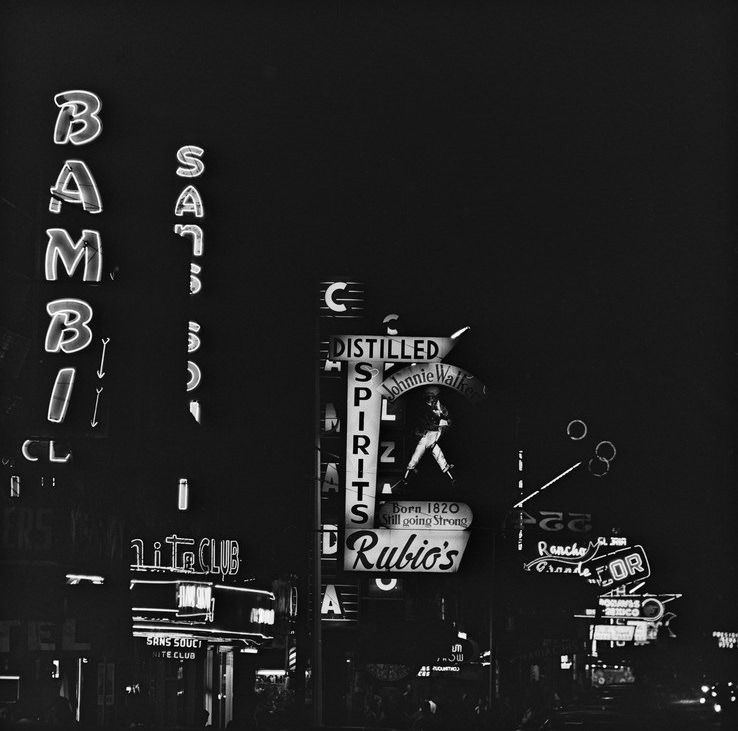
189 202
77 123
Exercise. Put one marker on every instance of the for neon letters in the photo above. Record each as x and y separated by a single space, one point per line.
68 330
189 156
75 184
189 201
78 109
191 229
60 395
62 248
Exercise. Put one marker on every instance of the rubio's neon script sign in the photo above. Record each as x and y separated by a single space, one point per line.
188 555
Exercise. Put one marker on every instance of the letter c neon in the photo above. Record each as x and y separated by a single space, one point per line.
26 453
332 304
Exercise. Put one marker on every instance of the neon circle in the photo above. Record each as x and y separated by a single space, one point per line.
580 426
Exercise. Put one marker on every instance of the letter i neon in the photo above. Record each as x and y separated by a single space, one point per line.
183 496
60 394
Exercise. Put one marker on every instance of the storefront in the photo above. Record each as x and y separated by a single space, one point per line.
197 631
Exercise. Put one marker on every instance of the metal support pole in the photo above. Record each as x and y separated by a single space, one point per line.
317 645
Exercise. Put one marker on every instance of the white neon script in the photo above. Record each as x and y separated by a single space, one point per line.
78 120
187 555
78 123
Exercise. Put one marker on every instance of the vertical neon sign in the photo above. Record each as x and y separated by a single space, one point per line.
189 202
78 123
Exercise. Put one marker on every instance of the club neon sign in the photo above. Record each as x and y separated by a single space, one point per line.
187 555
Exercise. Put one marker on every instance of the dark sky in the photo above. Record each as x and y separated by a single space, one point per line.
559 176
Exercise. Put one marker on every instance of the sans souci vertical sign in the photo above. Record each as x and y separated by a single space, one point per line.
418 363
189 204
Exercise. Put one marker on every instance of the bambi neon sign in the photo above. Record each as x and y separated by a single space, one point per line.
77 123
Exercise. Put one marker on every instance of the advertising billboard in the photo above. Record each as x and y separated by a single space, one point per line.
379 531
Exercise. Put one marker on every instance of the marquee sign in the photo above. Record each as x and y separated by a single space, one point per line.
177 614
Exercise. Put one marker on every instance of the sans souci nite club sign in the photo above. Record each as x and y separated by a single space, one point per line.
423 547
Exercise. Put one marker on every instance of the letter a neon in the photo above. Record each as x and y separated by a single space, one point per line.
331 603
75 184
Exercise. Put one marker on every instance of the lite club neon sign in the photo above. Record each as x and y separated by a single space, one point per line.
210 557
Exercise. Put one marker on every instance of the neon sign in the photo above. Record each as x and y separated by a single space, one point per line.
621 567
211 556
78 123
195 599
78 120
726 640
190 202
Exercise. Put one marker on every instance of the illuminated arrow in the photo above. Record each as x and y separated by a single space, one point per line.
540 489
94 422
100 371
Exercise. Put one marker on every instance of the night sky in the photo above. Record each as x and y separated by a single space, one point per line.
558 176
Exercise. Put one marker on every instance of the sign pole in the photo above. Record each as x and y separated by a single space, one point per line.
317 654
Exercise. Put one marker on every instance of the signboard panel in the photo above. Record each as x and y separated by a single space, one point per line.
614 632
420 551
433 515
389 348
631 606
